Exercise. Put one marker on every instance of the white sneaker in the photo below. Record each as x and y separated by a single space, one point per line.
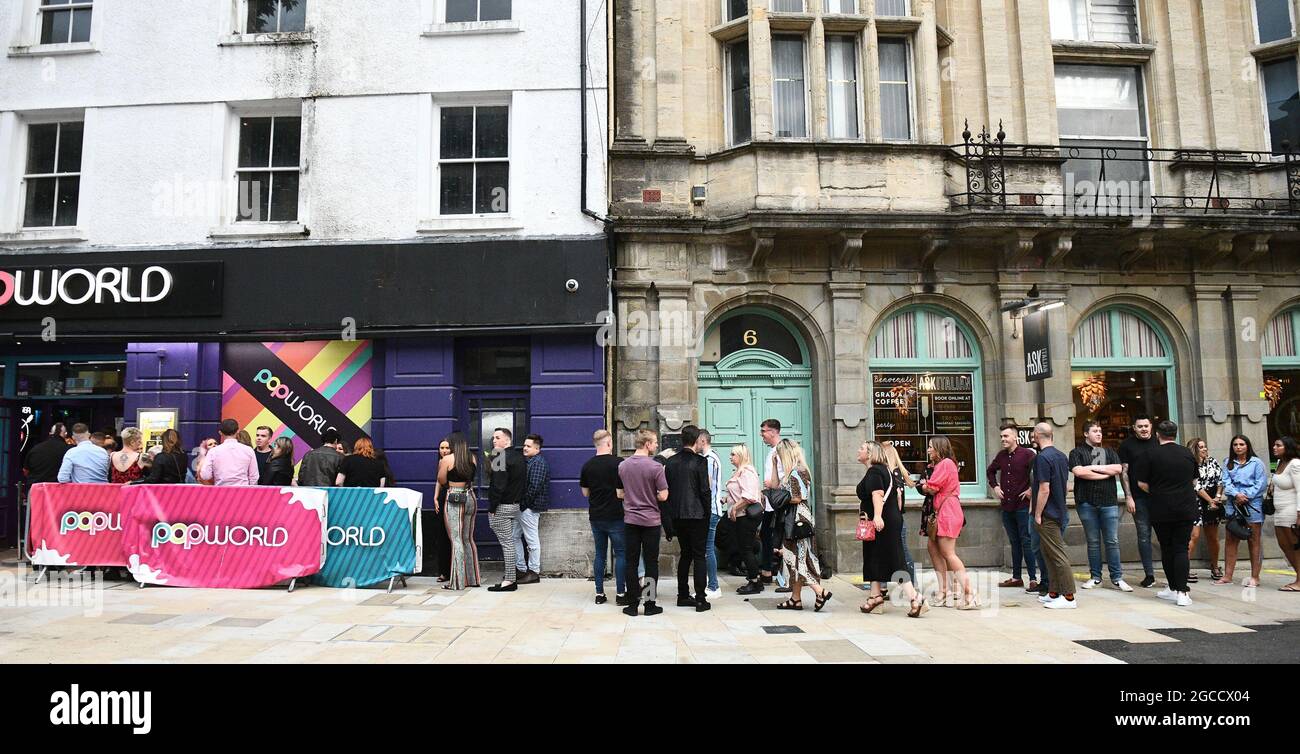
1091 583
1122 585
1061 603
1184 599
712 594
1046 598
1167 594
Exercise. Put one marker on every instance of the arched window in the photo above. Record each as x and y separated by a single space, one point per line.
1122 365
1281 352
924 372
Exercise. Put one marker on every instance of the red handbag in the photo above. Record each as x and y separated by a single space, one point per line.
866 530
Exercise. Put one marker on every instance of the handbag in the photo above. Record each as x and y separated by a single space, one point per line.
458 495
866 527
777 497
1269 508
754 509
1238 524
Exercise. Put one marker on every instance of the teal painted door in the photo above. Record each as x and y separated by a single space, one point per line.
734 400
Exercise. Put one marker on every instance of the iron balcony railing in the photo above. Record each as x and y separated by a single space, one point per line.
1114 178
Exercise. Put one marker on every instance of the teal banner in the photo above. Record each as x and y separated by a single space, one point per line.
371 535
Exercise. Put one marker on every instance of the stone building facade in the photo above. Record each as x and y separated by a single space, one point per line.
808 187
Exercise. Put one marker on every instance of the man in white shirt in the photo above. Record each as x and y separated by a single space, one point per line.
772 473
230 464
704 446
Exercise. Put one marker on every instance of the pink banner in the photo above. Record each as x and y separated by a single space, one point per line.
75 525
222 537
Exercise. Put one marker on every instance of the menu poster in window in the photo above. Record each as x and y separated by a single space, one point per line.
153 422
909 408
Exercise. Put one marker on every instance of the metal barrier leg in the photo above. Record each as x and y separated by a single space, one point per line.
390 584
292 582
39 575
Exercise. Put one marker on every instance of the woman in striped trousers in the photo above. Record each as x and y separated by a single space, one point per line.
456 472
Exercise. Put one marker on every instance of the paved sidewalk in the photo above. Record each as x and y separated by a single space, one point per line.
556 621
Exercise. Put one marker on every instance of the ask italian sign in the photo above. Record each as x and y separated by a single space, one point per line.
1038 354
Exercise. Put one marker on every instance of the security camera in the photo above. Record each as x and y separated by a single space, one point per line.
571 285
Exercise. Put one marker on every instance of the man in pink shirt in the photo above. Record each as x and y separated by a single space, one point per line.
230 464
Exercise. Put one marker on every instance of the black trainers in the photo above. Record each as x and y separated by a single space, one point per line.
600 599
630 610
620 600
702 605
652 609
752 587
684 601
1148 582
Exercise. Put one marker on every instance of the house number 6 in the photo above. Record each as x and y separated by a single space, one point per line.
751 338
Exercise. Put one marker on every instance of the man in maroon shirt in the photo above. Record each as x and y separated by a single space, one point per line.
1008 475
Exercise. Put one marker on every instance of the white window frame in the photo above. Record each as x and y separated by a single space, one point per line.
1254 21
279 14
1263 105
723 5
728 114
231 226
857 9
907 9
44 7
857 86
1087 19
1144 106
24 176
438 161
807 90
771 6
28 39
441 16
911 90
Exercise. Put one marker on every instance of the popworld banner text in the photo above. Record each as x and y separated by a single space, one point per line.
371 535
75 525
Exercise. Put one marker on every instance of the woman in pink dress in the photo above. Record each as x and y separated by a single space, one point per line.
948 521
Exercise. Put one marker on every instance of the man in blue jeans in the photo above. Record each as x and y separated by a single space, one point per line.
600 484
1132 453
1096 500
1008 476
704 446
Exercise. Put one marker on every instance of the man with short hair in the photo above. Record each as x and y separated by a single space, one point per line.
1008 475
230 464
44 460
507 482
1131 453
87 463
1169 473
1095 467
262 450
1051 472
600 485
320 467
537 498
772 473
690 502
644 487
704 446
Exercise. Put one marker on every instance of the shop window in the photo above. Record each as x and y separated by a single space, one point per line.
1122 367
265 16
1281 352
70 378
496 365
925 382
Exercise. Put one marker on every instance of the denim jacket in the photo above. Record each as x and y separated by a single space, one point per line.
1249 479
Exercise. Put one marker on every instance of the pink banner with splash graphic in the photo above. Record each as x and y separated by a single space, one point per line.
222 537
75 525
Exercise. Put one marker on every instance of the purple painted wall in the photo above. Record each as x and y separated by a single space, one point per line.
566 405
415 404
185 376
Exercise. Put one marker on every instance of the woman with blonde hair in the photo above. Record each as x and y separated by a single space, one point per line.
901 479
745 509
947 522
128 464
797 553
882 555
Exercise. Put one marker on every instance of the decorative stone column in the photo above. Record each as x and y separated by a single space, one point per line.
1251 409
630 64
675 363
1017 399
1213 375
837 522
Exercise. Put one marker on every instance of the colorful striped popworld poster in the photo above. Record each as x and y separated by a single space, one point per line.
75 525
299 389
222 537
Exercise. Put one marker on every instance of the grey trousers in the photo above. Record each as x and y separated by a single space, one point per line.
503 525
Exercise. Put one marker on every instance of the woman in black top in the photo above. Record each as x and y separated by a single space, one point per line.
170 464
456 473
362 468
882 558
279 468
436 541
